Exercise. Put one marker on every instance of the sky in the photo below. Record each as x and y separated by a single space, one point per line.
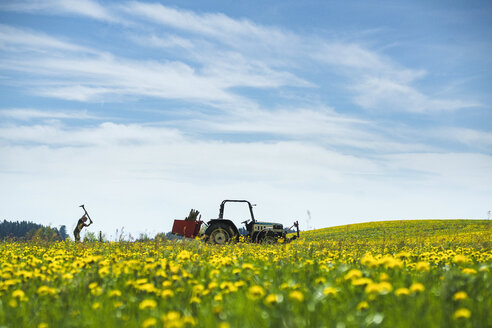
326 112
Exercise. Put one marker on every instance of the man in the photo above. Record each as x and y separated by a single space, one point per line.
80 225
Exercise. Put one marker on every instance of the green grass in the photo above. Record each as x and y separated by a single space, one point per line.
325 279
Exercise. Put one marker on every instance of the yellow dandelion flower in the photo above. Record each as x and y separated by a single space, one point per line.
247 266
284 286
96 291
43 325
167 293
256 292
96 305
361 281
296 296
383 287
272 299
170 317
469 271
104 271
184 255
422 266
150 322
369 260
147 304
19 294
195 300
93 285
114 293
189 320
141 281
353 274
460 259
417 287
67 276
384 276
362 306
394 264
239 284
214 273
46 290
462 314
330 291
13 303
402 292
460 296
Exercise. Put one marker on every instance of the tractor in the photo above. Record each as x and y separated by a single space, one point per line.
221 231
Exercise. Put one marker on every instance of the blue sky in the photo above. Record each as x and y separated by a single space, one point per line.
353 111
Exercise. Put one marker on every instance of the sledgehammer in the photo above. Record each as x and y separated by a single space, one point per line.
86 212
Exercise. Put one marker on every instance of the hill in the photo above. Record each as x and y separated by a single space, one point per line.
408 232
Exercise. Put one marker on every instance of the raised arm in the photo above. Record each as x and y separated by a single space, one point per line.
87 217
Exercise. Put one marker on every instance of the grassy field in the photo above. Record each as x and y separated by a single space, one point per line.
431 273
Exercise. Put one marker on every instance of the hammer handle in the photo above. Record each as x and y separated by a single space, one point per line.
86 213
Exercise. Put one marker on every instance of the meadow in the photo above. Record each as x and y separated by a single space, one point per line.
432 273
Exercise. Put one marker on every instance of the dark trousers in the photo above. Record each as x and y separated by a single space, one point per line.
76 234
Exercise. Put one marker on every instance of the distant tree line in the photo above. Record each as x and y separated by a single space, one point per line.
26 230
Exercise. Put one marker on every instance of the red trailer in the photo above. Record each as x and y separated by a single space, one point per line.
190 229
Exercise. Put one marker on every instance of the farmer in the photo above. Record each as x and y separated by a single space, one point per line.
80 225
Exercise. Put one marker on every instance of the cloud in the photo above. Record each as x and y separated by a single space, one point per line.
146 176
169 41
322 126
86 8
377 82
216 54
215 25
103 135
364 62
18 40
391 95
96 75
472 138
27 114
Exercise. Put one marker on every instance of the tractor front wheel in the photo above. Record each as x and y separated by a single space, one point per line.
267 237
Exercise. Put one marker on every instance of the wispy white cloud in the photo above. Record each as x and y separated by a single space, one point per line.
322 126
379 83
17 40
215 25
169 41
217 53
105 134
476 139
97 75
392 95
26 114
87 8
361 61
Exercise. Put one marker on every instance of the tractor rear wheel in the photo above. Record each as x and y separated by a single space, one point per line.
219 233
